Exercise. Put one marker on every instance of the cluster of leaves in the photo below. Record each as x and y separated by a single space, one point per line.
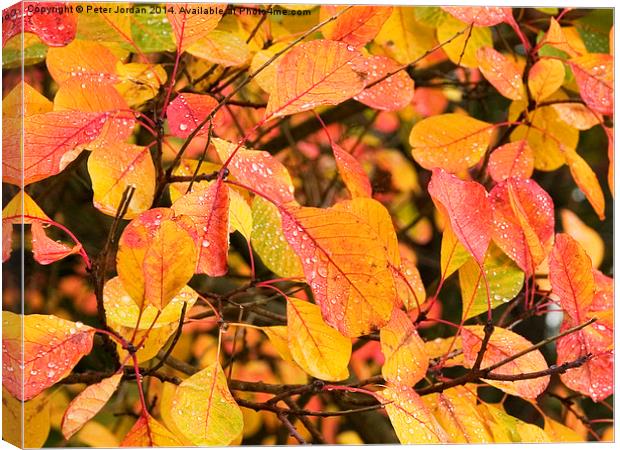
188 127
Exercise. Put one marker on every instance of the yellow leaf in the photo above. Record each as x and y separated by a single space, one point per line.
506 428
558 432
222 48
278 336
587 181
34 415
88 403
411 419
147 432
453 142
319 349
240 214
589 239
95 434
545 77
463 49
113 169
139 82
406 360
22 209
453 253
205 411
455 410
266 78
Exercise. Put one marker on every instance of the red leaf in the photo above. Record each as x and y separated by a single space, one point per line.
55 26
391 94
523 221
46 250
466 205
481 16
187 111
594 74
43 352
207 207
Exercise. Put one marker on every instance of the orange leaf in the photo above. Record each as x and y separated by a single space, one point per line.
449 141
143 260
87 404
345 264
391 94
576 115
412 421
312 74
503 344
545 77
466 205
84 61
481 16
406 360
586 179
409 285
46 250
455 411
594 74
588 238
352 173
357 26
116 167
147 432
556 38
187 111
523 221
191 22
515 159
501 73
258 169
43 352
207 207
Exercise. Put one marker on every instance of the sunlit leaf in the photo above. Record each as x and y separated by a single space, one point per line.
139 82
503 344
453 253
148 432
44 352
46 250
587 237
205 411
559 432
318 348
406 360
187 111
278 336
449 141
587 181
88 403
312 74
390 94
515 159
463 49
220 47
576 115
466 205
506 428
480 15
189 25
544 78
352 173
56 26
595 76
357 25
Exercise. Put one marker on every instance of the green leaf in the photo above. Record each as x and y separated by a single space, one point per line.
152 32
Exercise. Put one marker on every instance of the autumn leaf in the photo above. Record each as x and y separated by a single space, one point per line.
466 205
595 75
204 410
35 413
269 243
501 73
148 432
387 94
113 169
452 142
576 115
557 38
480 15
51 348
411 291
506 428
587 181
406 360
278 336
545 77
143 263
88 403
138 82
523 221
55 28
208 209
463 49
82 60
352 173
350 279
412 421
515 159
187 111
504 344
587 237
46 250
190 26
455 411
312 74
453 253
222 48
258 169
356 26
319 349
